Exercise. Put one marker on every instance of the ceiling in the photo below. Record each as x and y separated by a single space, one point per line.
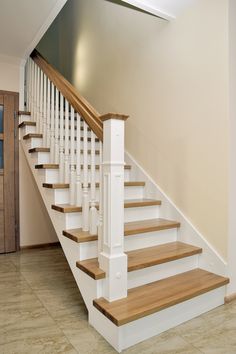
167 9
22 24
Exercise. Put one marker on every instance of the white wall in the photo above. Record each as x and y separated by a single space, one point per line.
172 79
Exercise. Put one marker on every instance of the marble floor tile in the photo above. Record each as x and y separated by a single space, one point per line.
42 311
166 343
50 344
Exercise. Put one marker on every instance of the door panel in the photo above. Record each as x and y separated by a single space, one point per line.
8 172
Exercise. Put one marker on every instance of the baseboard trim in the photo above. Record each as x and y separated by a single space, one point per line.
230 298
42 245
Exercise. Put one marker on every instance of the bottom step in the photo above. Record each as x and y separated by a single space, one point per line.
148 299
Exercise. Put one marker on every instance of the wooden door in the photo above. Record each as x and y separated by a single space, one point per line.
9 170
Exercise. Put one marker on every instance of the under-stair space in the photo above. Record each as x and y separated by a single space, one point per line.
103 215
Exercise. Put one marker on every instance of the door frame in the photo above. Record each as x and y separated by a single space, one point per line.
16 164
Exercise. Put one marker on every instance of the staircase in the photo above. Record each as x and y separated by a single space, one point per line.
137 277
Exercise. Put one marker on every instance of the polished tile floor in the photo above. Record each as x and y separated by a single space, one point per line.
41 311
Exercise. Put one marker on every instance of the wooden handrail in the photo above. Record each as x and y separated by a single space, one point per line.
89 114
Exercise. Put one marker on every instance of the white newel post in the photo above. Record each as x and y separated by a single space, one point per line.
112 259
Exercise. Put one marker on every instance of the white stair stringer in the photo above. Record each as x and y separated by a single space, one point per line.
209 260
134 332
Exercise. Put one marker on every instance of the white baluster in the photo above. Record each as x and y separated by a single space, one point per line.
61 150
37 99
31 87
44 110
93 210
48 112
72 157
100 215
66 165
78 164
33 92
41 102
85 200
29 83
57 128
52 139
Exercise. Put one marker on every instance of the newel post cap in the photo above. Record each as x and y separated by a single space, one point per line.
116 116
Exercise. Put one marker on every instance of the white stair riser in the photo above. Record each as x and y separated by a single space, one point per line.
137 331
52 175
161 271
130 193
142 213
25 118
130 214
34 143
38 158
49 175
150 239
27 130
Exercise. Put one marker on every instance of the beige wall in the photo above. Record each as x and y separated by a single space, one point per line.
9 75
172 79
35 225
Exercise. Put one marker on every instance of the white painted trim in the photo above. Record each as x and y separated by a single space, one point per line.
152 10
51 17
22 85
231 289
210 259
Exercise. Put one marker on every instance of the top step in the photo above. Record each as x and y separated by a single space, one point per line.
148 299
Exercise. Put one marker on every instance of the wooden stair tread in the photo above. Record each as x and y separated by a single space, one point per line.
32 135
50 166
39 149
79 236
26 113
133 203
66 208
130 228
56 185
148 299
66 185
45 149
37 135
143 258
56 166
137 227
136 203
27 123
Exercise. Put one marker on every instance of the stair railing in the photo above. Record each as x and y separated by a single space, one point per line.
89 151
